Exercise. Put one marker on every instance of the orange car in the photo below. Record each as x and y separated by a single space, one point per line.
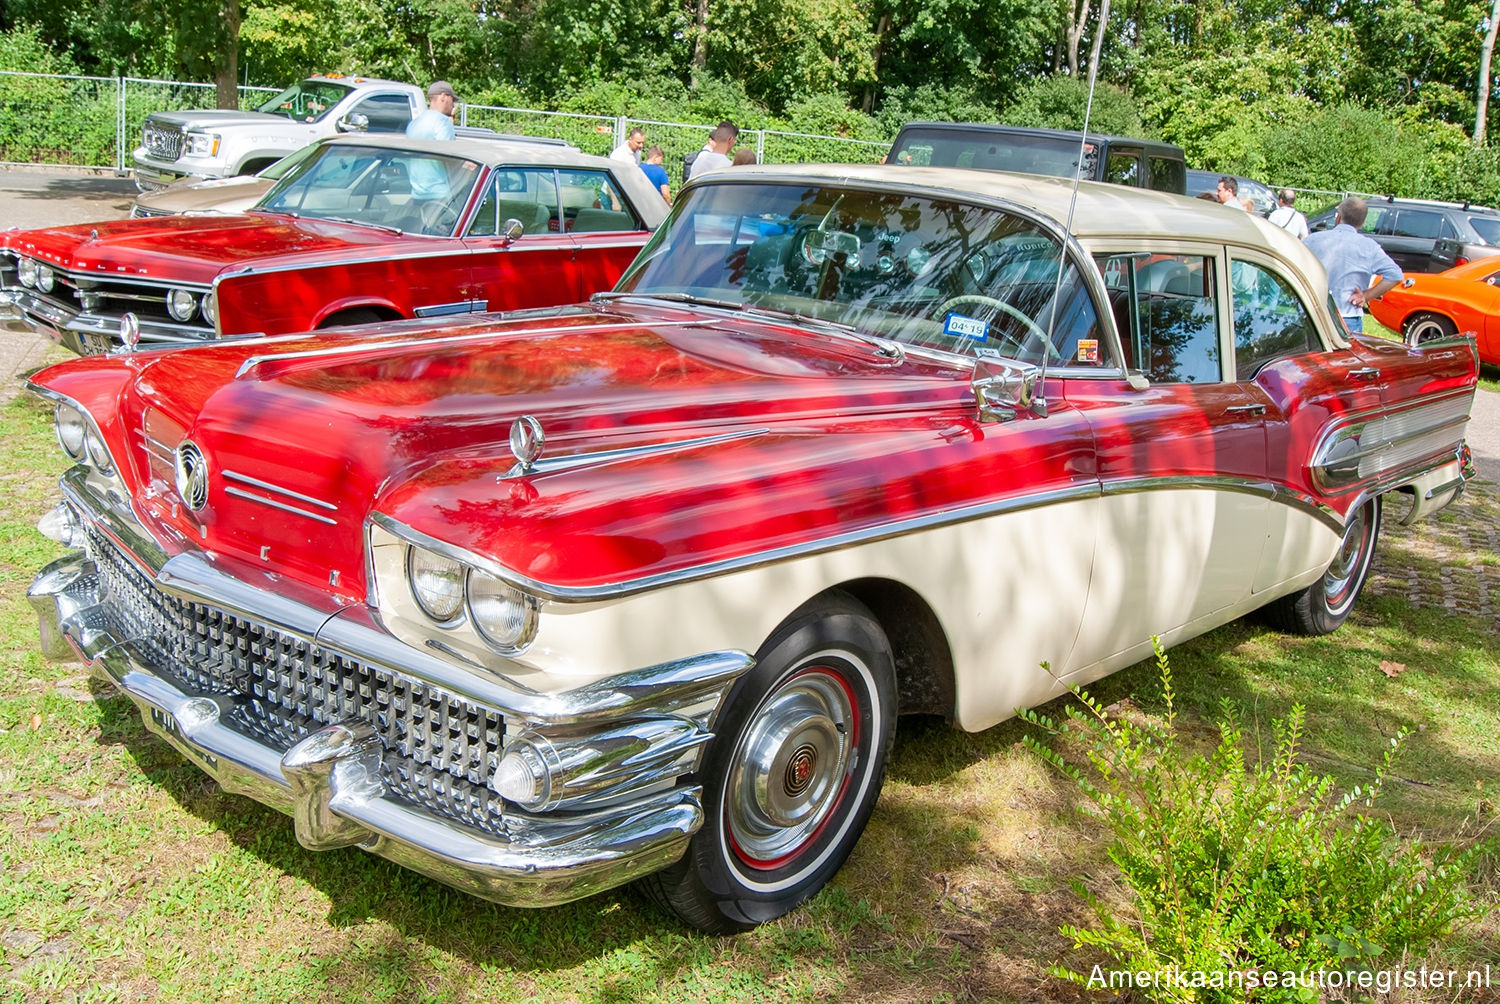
1463 299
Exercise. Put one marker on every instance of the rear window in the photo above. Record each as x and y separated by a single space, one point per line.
1168 175
1020 153
1487 227
1420 223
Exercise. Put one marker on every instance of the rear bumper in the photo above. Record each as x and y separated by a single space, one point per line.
335 778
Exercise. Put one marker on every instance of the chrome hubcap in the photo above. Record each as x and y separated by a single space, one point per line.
790 767
1344 570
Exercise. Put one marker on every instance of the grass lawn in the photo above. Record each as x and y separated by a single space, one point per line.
125 874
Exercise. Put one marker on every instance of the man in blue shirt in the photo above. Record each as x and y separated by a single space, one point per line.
1352 260
437 121
657 174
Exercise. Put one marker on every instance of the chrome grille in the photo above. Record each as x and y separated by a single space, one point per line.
139 212
163 142
440 749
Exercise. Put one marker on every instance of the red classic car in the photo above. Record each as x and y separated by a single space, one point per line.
1463 299
639 587
364 229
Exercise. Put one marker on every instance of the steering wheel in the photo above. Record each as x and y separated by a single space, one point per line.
1033 330
440 217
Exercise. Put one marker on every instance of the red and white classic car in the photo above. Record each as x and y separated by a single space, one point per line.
541 604
364 229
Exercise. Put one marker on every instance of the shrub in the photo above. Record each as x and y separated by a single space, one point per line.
1234 868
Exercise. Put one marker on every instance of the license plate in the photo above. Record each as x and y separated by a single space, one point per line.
94 345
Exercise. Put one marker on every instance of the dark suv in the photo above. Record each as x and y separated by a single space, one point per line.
1142 163
1423 236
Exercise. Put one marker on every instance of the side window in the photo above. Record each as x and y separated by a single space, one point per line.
1167 313
528 195
1168 174
1123 167
1449 232
386 112
1269 319
593 203
1379 221
1419 223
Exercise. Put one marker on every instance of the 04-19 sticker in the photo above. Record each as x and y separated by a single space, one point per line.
971 328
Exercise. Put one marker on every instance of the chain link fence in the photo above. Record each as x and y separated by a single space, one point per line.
96 122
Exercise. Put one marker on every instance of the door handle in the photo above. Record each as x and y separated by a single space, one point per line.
1364 373
1246 409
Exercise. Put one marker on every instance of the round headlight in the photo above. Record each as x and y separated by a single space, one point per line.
503 615
71 430
45 278
26 271
98 455
181 304
437 584
210 308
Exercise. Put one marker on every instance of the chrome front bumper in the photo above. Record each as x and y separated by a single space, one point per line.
331 780
86 334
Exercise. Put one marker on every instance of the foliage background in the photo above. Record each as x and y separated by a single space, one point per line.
1332 94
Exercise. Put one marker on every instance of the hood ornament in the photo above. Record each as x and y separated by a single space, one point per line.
526 441
94 234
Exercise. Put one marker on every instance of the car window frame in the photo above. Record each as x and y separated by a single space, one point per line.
1304 293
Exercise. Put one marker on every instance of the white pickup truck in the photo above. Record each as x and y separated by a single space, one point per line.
222 144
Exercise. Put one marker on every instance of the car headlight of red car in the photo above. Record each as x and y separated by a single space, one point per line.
45 278
181 304
444 588
210 307
26 271
72 430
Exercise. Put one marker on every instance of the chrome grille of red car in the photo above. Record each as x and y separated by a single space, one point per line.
162 141
440 749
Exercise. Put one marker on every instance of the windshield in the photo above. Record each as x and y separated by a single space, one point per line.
308 101
410 191
1019 152
1487 227
893 264
283 167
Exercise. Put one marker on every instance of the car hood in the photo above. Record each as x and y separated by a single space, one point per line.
201 195
740 435
215 119
196 248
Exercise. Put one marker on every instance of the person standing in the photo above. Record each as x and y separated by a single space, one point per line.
657 174
629 152
1287 218
715 152
1229 192
1351 260
744 155
437 121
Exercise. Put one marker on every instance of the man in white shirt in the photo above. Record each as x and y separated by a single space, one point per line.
1287 218
629 152
1229 192
715 152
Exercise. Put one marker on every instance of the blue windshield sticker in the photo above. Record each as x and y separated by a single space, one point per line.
971 328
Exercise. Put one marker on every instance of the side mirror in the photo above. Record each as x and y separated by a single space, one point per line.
353 122
1003 386
512 230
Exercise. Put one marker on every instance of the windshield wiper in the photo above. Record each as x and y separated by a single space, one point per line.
363 223
885 346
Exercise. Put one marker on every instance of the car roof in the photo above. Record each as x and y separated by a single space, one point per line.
993 128
347 78
1103 210
1375 201
482 149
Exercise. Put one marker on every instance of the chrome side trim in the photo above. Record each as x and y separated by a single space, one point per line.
630 587
240 493
254 362
1370 444
545 466
248 480
1247 486
161 451
444 309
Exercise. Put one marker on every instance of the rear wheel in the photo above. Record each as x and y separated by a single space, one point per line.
360 315
1324 605
793 772
1426 327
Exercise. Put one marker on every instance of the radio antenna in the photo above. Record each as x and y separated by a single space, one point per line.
1040 402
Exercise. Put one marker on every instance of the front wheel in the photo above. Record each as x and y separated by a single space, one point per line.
793 772
1324 605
